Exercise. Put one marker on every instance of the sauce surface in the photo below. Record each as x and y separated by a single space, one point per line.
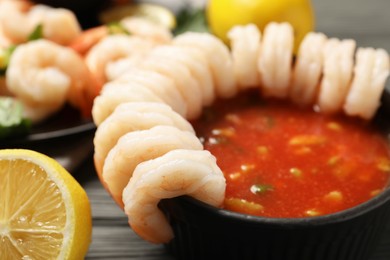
283 161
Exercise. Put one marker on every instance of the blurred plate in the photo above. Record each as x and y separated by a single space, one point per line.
67 122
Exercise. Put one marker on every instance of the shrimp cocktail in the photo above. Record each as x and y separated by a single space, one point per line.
266 141
46 69
257 140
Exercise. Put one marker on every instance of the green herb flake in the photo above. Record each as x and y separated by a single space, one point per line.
36 34
261 188
194 21
5 56
117 28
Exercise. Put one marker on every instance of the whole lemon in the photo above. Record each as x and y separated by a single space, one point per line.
222 15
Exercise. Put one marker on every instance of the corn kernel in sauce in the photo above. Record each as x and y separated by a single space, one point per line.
284 161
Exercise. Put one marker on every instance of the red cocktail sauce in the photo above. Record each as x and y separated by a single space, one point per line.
284 161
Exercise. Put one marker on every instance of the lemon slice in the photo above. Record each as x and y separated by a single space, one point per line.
44 212
152 12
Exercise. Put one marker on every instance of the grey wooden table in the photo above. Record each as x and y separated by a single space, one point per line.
368 22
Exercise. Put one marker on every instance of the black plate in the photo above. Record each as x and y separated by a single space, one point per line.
67 122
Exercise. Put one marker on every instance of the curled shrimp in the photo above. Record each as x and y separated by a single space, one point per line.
10 10
275 60
337 74
197 64
163 177
370 74
218 55
245 48
113 48
117 69
138 146
147 29
184 81
129 117
116 93
44 74
163 86
20 18
308 67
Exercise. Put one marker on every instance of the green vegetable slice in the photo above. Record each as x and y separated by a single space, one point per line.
12 122
191 20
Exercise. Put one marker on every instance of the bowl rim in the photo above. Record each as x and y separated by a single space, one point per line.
336 217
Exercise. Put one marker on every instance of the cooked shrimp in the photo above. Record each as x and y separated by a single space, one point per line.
163 86
178 172
196 62
115 93
308 69
113 48
88 38
129 117
370 74
139 146
20 18
11 11
337 74
245 47
275 59
183 79
45 73
219 58
117 69
147 29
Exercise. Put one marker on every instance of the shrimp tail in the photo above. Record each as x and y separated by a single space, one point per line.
163 177
88 38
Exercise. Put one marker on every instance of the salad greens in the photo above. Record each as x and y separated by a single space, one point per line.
191 20
12 122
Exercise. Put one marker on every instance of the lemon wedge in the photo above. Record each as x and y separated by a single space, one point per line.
222 15
44 212
152 12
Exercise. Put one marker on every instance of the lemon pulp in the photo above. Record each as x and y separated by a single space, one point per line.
44 213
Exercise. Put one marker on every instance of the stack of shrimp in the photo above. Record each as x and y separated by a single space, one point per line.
42 74
146 150
67 65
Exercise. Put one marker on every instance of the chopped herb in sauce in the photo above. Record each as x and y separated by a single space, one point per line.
307 164
261 188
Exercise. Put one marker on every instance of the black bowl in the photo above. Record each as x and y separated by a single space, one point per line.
86 10
205 232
